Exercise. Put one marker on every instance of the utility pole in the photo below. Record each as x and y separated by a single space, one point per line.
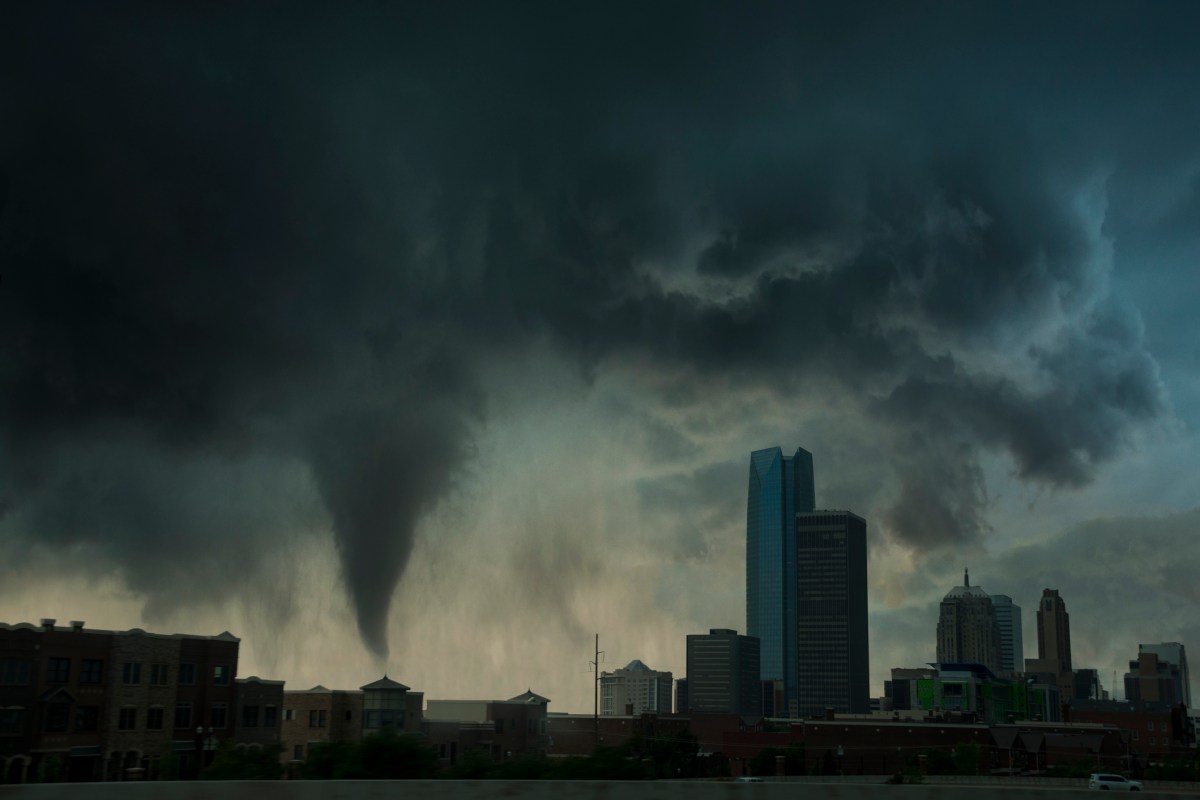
596 691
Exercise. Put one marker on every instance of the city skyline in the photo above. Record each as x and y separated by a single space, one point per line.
410 340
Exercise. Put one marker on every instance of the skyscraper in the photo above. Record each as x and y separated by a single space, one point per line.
967 630
1054 631
780 487
722 673
1054 643
1012 645
832 661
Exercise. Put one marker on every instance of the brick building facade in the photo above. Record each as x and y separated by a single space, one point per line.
320 715
80 704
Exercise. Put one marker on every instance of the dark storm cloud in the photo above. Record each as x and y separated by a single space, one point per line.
230 233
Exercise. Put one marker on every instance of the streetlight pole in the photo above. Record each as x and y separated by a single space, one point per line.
203 742
596 693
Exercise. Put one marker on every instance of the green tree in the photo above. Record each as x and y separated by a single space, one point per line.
392 755
475 764
168 763
674 755
793 760
233 763
332 761
966 759
939 762
52 769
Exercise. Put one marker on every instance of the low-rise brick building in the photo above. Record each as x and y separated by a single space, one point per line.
320 715
499 729
81 704
259 707
1156 730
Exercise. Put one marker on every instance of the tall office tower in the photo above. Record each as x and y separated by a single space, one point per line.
722 673
832 659
1160 675
635 689
967 630
1054 642
1054 631
1012 645
780 487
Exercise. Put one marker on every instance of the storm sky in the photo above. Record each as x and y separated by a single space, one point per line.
434 337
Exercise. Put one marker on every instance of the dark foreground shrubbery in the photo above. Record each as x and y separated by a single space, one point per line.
391 755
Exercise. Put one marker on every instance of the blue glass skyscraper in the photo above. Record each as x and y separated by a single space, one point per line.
780 487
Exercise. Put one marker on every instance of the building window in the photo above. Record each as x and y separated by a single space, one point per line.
289 715
219 714
183 715
58 670
127 719
249 716
1135 736
14 672
317 719
10 721
87 718
187 674
154 719
270 717
131 672
349 715
499 726
221 674
1151 741
158 674
91 670
298 752
1150 725
58 715
1162 726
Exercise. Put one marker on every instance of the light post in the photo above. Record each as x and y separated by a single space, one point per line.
204 741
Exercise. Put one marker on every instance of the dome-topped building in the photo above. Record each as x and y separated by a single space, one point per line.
968 631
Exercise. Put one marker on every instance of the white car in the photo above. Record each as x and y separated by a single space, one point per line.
1107 781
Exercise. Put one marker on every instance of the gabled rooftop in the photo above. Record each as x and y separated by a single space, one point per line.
528 697
384 683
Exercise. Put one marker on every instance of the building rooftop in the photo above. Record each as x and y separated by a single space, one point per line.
384 683
48 626
967 590
528 697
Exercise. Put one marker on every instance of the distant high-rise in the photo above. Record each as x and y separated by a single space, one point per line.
636 686
780 487
1054 631
1054 644
968 631
1012 646
1160 675
832 657
722 674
